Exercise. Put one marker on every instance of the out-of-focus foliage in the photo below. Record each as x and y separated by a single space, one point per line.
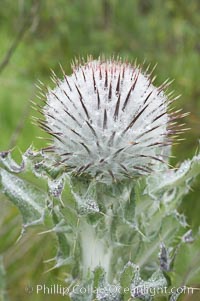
163 32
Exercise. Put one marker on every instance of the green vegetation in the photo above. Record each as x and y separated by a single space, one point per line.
162 32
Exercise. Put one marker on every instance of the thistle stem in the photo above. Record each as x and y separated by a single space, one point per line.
95 251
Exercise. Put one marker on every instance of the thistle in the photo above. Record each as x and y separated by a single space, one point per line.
119 233
109 121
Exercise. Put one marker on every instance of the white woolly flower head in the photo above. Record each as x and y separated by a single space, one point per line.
109 121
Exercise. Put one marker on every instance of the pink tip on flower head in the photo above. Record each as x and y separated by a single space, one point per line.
108 120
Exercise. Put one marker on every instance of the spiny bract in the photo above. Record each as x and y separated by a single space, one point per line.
108 120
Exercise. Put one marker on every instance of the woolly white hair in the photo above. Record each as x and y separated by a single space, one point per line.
108 120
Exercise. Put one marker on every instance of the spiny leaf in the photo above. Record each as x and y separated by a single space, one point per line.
9 164
179 178
64 247
141 288
30 200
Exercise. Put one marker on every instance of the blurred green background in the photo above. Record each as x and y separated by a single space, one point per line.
37 35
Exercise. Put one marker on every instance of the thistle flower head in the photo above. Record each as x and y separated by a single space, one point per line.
108 120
